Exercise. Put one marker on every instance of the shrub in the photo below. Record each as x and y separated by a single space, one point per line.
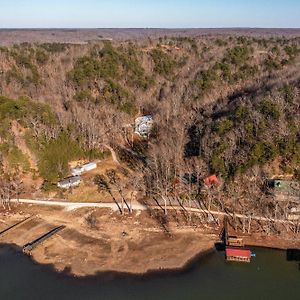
271 64
22 59
16 159
129 108
85 69
83 95
218 165
12 109
41 56
135 73
263 152
275 50
241 112
237 55
164 64
292 51
221 43
246 71
23 107
250 128
205 80
224 126
15 74
297 174
114 93
55 155
226 71
110 59
269 109
54 47
288 93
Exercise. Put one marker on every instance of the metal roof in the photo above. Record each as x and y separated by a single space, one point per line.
285 186
143 125
238 252
70 180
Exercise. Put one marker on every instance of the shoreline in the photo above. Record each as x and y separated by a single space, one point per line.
112 274
145 249
190 264
122 244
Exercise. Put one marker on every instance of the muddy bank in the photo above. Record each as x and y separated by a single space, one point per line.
98 240
282 242
131 244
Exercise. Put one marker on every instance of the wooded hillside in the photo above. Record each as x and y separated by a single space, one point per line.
226 105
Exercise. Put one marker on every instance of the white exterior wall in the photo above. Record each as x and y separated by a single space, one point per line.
89 167
84 168
143 125
66 184
77 171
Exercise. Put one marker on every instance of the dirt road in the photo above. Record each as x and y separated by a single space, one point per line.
140 207
76 205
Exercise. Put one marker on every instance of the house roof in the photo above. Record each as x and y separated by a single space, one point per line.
143 125
90 164
211 180
238 252
286 186
70 180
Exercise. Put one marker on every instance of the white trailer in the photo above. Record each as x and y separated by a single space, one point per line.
83 168
69 182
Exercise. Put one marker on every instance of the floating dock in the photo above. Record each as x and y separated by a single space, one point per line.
238 254
235 241
30 246
234 247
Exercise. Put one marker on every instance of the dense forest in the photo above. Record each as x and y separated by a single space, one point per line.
224 105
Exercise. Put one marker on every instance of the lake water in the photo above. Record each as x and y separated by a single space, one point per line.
268 276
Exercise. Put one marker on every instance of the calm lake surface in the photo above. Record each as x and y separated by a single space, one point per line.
269 276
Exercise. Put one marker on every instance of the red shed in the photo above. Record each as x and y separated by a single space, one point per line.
211 180
238 254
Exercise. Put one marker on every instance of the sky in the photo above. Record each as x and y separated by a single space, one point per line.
149 13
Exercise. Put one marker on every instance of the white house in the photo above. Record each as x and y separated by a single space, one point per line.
83 168
143 125
69 182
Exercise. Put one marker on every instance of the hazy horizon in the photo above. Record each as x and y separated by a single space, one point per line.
167 14
141 28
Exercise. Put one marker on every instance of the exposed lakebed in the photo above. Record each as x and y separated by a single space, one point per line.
268 276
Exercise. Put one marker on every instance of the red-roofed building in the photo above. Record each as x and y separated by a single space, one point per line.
211 180
238 254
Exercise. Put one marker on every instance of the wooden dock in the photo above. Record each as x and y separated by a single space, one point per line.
30 246
234 246
15 226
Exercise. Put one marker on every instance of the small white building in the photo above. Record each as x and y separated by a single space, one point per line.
69 182
83 168
143 125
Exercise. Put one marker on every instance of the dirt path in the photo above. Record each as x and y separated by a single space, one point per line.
140 207
113 154
74 205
